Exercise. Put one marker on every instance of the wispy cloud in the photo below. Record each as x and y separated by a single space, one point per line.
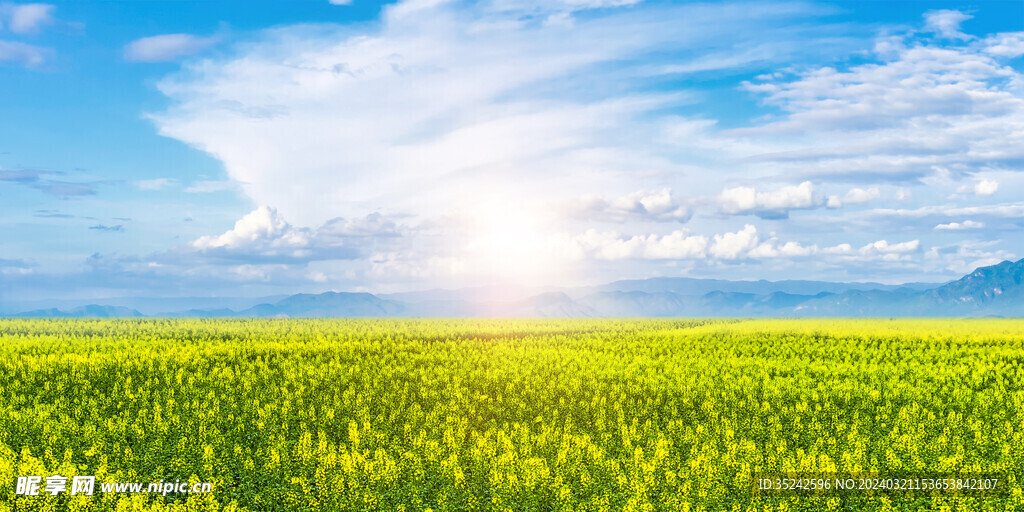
956 226
167 47
26 18
156 183
41 181
578 139
653 205
946 23
101 227
537 116
866 123
209 186
447 99
24 54
52 214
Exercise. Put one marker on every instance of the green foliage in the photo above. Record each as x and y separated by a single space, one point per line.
499 415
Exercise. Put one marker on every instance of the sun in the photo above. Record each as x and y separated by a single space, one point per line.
511 242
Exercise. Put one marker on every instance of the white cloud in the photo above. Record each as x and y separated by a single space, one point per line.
263 236
208 186
1008 45
340 2
963 257
840 249
956 226
25 54
655 205
450 103
261 227
771 249
730 246
518 109
1001 210
772 204
986 187
921 106
854 196
861 196
166 47
606 245
884 247
946 23
677 245
981 187
593 4
26 18
155 184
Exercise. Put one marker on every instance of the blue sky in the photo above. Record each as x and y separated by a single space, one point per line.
195 148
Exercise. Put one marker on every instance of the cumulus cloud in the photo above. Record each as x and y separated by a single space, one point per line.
1008 45
854 196
840 249
731 246
264 236
884 247
262 227
775 204
981 187
986 187
166 47
658 206
613 246
771 249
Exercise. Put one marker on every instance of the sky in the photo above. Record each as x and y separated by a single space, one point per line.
194 148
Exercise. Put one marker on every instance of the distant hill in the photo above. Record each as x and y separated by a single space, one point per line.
993 290
90 311
697 287
997 290
328 304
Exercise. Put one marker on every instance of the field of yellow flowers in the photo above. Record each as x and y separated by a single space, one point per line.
507 415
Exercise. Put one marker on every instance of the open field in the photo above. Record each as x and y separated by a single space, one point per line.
496 415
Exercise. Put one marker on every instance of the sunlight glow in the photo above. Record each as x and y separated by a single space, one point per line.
511 242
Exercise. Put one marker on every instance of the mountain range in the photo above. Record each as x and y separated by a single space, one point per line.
995 290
